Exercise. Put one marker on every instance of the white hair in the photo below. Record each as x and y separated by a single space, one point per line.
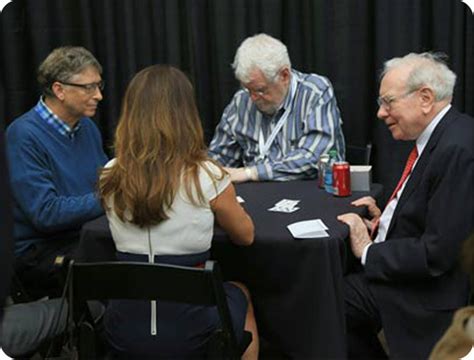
427 69
262 52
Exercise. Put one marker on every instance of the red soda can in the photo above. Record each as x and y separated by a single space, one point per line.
341 178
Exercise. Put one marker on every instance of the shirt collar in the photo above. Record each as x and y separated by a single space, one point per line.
53 120
291 93
426 134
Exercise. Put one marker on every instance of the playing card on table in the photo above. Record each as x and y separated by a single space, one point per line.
308 229
286 206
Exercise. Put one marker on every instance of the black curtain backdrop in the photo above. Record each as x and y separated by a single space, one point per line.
6 228
345 40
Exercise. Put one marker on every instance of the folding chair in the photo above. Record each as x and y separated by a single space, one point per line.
18 294
131 280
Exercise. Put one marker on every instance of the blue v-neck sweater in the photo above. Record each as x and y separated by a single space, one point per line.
53 179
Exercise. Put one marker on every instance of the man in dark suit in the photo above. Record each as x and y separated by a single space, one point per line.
411 282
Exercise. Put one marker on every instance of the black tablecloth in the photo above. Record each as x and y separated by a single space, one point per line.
296 285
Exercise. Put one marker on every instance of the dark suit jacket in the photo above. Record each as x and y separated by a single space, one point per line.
415 274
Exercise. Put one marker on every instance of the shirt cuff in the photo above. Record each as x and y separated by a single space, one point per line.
363 258
264 171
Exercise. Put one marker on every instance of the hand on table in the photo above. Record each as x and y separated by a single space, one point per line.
359 235
374 211
242 174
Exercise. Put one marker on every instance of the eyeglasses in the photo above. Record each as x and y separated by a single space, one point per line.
386 102
89 88
261 92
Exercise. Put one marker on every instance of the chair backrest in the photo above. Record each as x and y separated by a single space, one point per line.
358 155
131 280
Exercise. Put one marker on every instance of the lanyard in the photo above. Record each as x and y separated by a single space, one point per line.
264 146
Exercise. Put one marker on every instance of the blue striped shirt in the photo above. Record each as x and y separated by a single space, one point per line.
52 119
312 128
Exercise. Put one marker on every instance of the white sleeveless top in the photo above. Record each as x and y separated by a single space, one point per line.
188 230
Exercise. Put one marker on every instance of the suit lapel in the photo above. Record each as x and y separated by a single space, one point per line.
420 167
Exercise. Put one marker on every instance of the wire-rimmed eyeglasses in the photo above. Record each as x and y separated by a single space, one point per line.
387 101
260 92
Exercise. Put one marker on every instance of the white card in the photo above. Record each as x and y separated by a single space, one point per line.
285 205
308 229
283 209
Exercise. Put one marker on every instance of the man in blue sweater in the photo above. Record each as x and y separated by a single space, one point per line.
55 152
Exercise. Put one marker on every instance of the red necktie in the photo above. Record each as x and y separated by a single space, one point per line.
407 171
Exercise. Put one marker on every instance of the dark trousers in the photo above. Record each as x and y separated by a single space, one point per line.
36 271
363 320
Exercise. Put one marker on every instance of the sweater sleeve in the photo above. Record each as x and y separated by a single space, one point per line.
34 189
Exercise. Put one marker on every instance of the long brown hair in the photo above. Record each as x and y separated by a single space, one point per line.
159 143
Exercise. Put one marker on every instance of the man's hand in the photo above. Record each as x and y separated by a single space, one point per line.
359 235
242 174
374 211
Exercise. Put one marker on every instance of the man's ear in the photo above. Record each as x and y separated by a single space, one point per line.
427 98
58 90
285 74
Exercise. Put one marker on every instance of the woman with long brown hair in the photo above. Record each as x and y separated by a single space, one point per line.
162 195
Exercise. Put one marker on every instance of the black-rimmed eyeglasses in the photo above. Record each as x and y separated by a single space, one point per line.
89 88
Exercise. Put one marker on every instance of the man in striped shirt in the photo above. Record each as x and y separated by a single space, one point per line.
281 121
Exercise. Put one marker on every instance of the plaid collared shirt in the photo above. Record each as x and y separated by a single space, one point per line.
47 115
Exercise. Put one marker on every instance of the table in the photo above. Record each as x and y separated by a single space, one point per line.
296 285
